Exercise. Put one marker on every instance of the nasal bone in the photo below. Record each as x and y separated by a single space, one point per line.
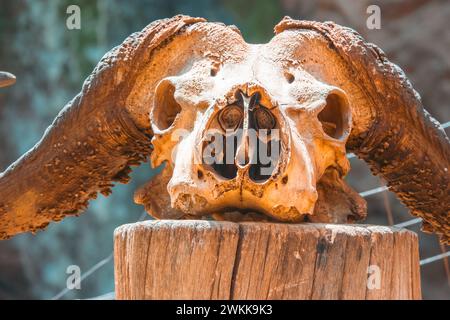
243 153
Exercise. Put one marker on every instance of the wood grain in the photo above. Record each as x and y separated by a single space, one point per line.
195 259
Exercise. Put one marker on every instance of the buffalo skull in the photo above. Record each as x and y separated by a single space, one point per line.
244 131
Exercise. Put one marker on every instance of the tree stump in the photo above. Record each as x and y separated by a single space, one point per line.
197 259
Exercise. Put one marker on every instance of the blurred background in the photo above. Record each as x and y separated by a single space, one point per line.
51 63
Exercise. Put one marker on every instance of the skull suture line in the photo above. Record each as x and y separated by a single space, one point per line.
288 110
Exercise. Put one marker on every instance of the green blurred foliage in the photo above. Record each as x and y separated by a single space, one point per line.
255 18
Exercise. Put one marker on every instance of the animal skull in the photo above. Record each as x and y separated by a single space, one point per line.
313 91
239 112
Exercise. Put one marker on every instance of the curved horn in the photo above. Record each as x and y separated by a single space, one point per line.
392 131
104 130
6 79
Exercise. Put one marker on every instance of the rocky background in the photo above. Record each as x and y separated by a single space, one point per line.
51 63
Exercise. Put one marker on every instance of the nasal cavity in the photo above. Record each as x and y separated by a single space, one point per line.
243 135
226 166
264 159
264 142
223 139
219 152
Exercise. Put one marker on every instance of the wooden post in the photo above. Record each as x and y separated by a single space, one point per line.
191 259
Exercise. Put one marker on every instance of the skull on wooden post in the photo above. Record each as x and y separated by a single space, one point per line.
253 141
261 129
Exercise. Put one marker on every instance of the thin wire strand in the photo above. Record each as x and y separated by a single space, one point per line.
373 191
434 258
408 223
107 296
94 268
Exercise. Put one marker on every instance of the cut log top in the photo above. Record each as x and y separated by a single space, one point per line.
197 259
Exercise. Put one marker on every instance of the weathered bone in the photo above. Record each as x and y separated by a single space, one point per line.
306 150
158 206
319 85
337 202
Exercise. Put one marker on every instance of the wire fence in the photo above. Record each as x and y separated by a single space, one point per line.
409 222
434 258
94 268
85 275
105 261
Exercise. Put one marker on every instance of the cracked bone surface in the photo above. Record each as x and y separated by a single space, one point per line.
211 105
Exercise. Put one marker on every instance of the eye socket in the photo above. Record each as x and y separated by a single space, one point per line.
230 117
334 116
289 77
264 119
166 108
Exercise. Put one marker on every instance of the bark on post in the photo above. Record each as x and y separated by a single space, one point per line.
185 259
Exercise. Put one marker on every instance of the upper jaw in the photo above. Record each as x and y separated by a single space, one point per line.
196 189
287 194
